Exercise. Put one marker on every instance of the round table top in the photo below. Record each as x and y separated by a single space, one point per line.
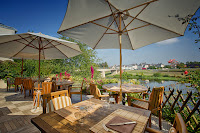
126 88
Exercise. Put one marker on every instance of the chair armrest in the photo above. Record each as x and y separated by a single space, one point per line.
139 99
151 130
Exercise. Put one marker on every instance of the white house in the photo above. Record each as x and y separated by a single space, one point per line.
7 30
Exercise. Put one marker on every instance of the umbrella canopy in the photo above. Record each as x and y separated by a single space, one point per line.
36 46
125 24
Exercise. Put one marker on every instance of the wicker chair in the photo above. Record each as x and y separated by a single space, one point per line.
94 90
154 103
56 100
17 82
178 126
9 83
74 90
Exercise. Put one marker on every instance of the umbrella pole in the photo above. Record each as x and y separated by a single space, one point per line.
120 45
22 68
39 58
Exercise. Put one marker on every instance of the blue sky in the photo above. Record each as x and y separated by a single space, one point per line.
46 16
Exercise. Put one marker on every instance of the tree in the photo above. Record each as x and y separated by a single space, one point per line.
181 65
80 65
193 24
103 65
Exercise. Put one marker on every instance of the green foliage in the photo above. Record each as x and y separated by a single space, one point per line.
193 77
194 64
166 75
157 74
152 67
10 69
103 65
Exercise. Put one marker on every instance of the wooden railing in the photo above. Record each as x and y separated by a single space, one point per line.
178 104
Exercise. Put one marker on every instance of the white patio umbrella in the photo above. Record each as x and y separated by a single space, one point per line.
125 24
36 46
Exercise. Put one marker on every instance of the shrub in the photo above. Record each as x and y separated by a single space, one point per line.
166 75
157 74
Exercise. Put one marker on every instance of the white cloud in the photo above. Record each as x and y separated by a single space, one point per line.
169 41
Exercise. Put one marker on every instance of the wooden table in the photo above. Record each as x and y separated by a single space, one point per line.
63 82
52 122
126 88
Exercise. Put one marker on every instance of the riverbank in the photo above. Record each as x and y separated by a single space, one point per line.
154 74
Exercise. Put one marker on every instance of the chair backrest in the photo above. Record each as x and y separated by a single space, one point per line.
94 91
18 81
55 100
179 124
28 84
46 87
156 98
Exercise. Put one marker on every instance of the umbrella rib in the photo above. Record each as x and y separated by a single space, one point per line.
155 25
137 27
58 49
113 14
112 5
85 23
26 44
135 16
104 26
47 43
59 44
28 41
140 5
160 27
128 35
24 47
19 51
14 40
103 34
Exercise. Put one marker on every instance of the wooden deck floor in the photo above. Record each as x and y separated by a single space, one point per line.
15 113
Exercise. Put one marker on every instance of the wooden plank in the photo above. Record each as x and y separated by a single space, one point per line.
12 125
176 99
43 126
8 127
2 128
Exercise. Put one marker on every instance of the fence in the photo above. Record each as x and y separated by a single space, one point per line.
177 103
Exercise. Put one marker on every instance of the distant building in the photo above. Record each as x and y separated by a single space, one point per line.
7 30
160 65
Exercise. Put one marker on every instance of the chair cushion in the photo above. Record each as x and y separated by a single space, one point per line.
58 103
140 104
172 130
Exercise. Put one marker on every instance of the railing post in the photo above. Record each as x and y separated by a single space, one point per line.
171 93
185 102
179 93
194 109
